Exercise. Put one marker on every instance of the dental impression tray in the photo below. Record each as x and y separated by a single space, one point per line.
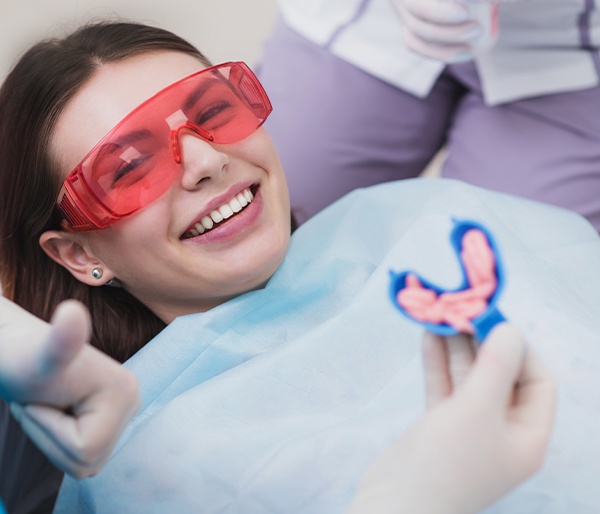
472 307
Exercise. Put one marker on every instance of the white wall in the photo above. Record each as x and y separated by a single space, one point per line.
222 29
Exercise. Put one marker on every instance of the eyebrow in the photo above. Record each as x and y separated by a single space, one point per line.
197 93
127 139
112 146
137 135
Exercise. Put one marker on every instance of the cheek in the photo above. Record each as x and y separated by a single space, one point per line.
259 150
268 159
129 244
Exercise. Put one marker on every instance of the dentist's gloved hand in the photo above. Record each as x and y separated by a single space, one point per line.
71 399
487 427
445 30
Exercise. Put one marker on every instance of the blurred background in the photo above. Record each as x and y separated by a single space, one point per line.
223 30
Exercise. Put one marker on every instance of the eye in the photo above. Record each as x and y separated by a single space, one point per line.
212 112
126 169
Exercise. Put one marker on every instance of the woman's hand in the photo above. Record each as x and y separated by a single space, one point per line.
486 429
72 400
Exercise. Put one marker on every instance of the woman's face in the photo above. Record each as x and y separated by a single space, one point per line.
152 252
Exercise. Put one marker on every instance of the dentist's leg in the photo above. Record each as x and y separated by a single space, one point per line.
545 148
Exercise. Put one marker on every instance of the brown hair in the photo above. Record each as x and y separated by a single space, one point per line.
31 99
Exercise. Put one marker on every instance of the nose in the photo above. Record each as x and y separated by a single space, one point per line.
199 159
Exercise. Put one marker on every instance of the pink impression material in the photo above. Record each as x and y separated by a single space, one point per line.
456 308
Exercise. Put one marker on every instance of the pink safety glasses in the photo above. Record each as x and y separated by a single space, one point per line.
138 160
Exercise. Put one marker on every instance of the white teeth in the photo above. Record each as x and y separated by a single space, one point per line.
216 216
226 211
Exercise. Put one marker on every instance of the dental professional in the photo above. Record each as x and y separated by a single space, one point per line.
508 88
141 182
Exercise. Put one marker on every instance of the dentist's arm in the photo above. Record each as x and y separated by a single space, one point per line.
486 430
71 399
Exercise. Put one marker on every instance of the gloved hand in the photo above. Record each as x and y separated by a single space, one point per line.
446 30
73 400
486 429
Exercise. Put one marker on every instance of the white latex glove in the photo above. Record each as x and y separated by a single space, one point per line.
485 430
445 30
73 400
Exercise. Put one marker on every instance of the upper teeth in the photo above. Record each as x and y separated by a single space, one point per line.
236 204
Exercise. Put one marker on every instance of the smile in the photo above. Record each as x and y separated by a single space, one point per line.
222 213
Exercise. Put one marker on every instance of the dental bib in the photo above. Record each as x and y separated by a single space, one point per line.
279 400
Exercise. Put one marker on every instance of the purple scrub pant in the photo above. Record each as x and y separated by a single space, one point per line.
338 128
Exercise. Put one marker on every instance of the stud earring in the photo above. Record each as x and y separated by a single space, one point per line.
97 273
114 282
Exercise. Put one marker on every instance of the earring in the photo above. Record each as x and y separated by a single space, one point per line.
114 282
97 273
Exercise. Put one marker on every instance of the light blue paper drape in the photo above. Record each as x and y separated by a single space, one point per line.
277 401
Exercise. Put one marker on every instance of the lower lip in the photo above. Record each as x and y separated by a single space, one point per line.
232 227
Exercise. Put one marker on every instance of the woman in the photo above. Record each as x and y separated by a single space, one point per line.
141 248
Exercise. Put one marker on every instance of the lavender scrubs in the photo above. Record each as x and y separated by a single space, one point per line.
338 128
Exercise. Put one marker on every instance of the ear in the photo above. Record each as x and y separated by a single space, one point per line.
64 248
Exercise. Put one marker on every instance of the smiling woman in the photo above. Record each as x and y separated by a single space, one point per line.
215 161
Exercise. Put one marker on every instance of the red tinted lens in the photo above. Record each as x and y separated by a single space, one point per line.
232 105
138 160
